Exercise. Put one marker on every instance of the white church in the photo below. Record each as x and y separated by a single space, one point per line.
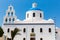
34 27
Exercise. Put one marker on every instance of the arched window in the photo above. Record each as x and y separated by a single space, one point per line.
41 38
9 19
40 29
33 14
13 19
10 8
24 30
8 30
27 15
24 39
49 29
6 20
11 13
40 15
8 13
32 29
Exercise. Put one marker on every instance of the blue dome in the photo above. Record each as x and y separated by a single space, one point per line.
34 9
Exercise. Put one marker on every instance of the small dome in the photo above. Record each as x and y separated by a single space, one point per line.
34 7
50 19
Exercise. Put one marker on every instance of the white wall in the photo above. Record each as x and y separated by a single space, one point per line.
45 34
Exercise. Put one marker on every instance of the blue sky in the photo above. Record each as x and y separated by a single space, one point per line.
51 8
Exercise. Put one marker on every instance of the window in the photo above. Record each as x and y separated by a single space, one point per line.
32 29
24 30
40 29
33 14
40 15
9 19
6 20
23 38
13 19
41 39
27 15
56 32
8 30
49 29
10 8
11 13
8 13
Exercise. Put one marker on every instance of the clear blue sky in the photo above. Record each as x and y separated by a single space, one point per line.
51 8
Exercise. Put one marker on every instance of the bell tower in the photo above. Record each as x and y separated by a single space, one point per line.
10 15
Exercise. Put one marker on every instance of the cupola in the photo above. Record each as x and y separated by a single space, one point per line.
34 13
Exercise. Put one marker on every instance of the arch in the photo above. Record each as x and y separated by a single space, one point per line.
49 29
8 30
11 13
24 30
33 14
13 19
32 30
10 8
40 15
6 20
24 39
8 13
41 38
9 19
41 30
27 15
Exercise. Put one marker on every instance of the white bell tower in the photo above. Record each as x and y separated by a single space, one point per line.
34 13
10 15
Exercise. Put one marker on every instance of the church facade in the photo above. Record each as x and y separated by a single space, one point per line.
34 27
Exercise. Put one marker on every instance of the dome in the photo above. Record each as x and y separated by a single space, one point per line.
34 7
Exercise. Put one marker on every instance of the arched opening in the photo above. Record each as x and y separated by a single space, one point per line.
13 19
9 19
41 38
24 30
6 20
40 29
33 14
24 39
32 30
8 30
40 15
27 15
8 13
49 29
10 8
11 13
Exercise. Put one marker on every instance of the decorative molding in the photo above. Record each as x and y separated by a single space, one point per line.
29 24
